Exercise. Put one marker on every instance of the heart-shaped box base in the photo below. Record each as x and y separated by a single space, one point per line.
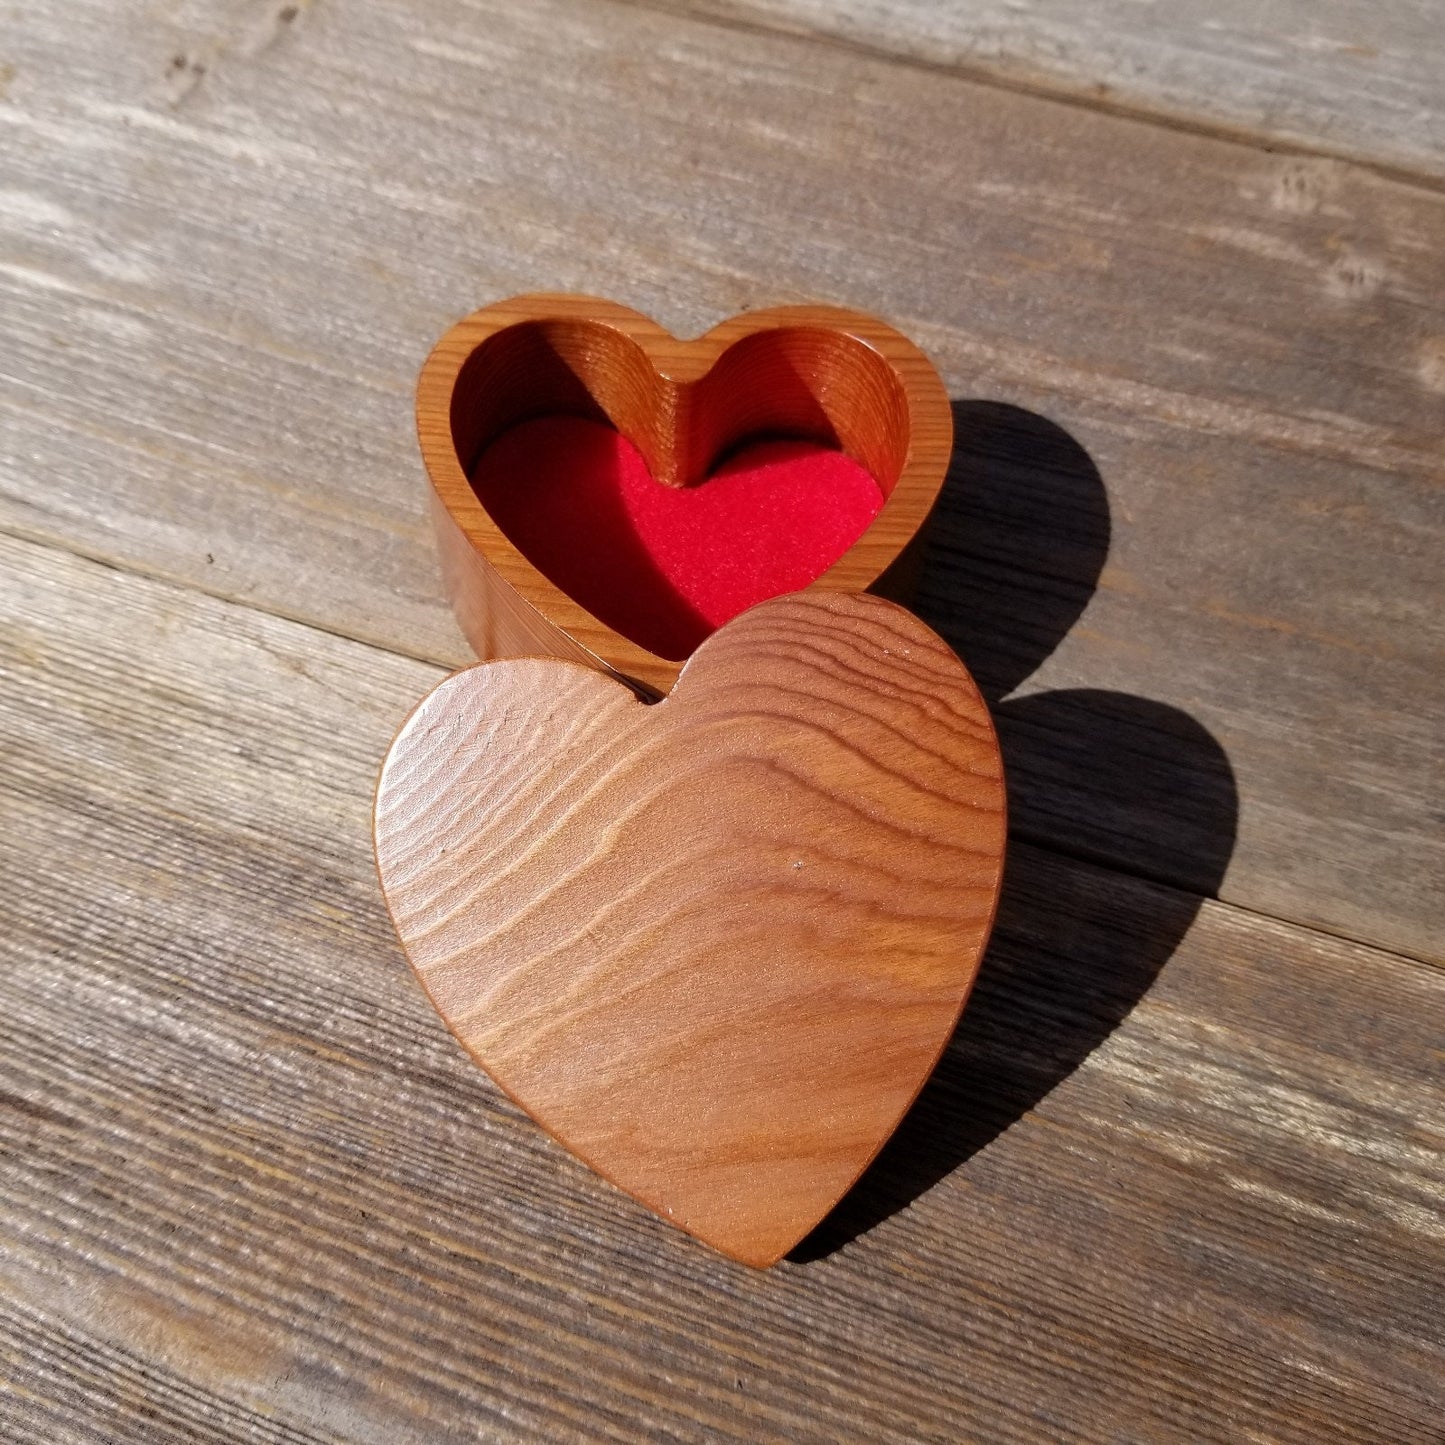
817 374
716 944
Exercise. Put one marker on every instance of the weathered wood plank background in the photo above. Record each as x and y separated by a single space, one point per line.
248 1172
1251 351
1180 1176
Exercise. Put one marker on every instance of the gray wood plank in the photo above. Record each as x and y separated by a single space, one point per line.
1187 1177
1346 77
1218 559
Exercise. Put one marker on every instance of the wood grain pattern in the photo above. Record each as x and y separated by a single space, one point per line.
1347 77
1244 349
1186 1170
820 373
714 945
250 1189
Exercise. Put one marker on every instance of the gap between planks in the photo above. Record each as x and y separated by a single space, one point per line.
1038 841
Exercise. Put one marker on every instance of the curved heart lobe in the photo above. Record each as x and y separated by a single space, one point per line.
714 945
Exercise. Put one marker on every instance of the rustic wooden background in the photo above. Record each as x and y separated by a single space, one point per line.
1182 1173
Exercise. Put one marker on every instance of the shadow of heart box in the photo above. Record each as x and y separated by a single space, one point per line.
715 945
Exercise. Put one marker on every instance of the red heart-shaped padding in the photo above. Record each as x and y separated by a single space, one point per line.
664 565
716 944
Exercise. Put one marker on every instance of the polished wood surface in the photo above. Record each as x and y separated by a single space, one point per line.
1177 1177
714 945
820 373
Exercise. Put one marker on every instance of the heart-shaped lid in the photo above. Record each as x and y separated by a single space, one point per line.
820 374
716 944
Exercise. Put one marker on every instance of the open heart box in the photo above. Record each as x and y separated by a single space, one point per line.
832 377
714 944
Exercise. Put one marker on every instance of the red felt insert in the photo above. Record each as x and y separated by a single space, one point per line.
665 566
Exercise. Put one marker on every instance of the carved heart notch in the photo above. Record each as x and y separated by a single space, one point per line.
716 944
821 374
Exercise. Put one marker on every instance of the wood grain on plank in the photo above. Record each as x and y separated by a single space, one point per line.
1189 1183
714 945
1248 350
1349 77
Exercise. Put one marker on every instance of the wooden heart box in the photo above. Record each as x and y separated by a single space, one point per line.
830 376
714 944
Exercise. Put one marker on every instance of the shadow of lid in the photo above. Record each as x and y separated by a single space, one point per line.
1094 777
